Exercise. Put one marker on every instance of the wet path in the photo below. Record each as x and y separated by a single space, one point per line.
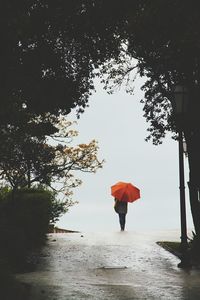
104 266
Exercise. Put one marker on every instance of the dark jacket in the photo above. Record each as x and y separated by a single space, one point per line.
121 207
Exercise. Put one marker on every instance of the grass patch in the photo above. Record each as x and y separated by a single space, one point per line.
172 247
193 253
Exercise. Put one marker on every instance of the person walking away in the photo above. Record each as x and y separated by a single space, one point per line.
121 209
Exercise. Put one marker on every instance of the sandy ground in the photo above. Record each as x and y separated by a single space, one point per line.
110 265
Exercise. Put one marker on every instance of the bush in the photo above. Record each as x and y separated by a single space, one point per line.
24 221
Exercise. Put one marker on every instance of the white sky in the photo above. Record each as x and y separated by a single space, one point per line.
117 122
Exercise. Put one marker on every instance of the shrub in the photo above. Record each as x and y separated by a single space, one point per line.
24 221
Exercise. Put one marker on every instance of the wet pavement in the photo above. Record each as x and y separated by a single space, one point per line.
111 265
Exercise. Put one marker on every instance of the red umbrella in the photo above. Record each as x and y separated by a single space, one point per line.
125 191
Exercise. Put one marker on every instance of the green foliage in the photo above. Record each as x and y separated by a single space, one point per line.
24 152
58 206
28 157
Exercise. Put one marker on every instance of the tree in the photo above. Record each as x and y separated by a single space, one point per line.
51 50
23 150
33 64
45 63
29 159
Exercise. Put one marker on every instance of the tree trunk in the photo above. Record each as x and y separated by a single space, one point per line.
195 206
193 149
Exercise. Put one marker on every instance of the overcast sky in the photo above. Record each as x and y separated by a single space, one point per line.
117 122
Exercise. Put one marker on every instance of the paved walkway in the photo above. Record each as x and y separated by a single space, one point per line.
105 266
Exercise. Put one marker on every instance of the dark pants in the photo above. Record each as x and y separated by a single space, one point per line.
122 220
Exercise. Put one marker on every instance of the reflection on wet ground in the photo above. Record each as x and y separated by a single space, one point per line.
119 265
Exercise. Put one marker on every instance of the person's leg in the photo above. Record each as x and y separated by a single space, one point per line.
122 220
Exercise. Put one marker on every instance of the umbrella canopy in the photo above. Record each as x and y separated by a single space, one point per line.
124 191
